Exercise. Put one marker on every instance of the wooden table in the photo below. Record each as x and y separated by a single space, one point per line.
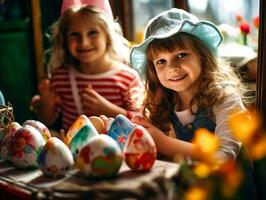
32 184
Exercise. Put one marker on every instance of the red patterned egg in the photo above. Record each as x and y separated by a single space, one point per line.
101 157
8 134
139 150
26 146
55 158
40 127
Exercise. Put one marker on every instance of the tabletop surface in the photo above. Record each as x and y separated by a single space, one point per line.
29 182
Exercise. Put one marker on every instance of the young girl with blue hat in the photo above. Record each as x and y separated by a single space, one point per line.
187 86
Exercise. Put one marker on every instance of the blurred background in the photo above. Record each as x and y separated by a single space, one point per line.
24 25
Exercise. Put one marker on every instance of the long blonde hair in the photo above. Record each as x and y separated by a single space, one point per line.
217 80
117 45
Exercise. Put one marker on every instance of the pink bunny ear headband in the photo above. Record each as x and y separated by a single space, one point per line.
102 4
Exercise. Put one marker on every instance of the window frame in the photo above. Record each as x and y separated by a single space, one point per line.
261 73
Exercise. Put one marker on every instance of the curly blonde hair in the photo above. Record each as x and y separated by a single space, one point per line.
117 45
218 80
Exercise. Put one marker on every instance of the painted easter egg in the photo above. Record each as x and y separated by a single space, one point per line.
81 138
98 123
2 103
7 137
55 158
75 127
140 150
2 99
107 123
40 127
26 146
120 129
101 157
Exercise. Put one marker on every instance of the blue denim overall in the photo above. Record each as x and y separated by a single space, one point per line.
202 120
186 133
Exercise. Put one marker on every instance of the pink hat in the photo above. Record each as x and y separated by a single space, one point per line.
102 4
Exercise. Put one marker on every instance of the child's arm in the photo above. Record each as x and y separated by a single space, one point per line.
229 145
46 104
94 104
167 146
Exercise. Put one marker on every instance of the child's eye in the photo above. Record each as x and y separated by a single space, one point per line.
159 62
93 32
182 55
73 34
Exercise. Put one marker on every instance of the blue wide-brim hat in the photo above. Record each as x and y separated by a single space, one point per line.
169 23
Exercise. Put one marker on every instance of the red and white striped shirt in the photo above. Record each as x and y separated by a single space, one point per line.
121 86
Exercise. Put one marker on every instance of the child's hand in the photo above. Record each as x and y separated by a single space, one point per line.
45 104
156 133
45 90
94 104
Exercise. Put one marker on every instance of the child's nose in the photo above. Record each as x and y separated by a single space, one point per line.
173 67
84 41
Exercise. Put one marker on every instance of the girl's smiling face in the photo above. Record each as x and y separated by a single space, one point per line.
178 70
86 40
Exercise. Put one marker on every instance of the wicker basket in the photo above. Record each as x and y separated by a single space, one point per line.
6 115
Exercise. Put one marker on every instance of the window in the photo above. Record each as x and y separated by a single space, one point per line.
238 22
143 11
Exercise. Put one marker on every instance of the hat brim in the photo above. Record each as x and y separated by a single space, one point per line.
207 32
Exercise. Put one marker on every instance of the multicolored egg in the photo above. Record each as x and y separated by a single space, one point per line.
140 150
81 138
119 130
101 157
81 121
26 146
55 158
40 127
8 134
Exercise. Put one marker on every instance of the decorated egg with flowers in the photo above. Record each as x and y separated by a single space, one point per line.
140 150
120 129
55 158
8 134
40 127
81 121
26 145
101 157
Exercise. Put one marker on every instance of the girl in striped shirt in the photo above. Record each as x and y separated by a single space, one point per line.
90 74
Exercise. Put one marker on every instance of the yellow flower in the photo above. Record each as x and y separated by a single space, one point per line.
196 193
202 170
244 125
232 181
206 142
258 148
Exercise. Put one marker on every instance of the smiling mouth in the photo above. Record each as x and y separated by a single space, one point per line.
85 50
178 78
